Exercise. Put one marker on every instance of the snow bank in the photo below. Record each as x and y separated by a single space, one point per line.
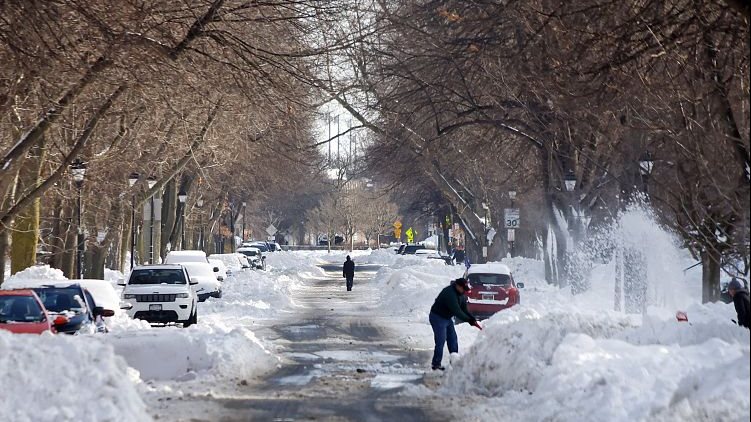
596 379
518 344
60 378
409 291
572 364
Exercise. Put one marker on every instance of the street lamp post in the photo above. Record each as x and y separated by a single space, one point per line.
78 171
199 204
151 180
486 209
182 196
132 180
646 164
511 232
245 204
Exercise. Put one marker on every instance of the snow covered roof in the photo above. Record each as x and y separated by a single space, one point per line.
492 268
188 253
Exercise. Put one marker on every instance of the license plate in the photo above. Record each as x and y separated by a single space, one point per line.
155 307
488 297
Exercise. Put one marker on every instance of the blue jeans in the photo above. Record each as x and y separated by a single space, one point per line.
443 332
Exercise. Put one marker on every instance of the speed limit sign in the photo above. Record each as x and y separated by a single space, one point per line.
511 218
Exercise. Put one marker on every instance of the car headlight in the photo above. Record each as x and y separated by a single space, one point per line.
183 296
129 296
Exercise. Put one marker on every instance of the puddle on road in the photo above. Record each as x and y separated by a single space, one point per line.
357 356
392 381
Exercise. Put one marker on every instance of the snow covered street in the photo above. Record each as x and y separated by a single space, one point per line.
291 343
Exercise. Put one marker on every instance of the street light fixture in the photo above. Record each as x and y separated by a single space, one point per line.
182 196
570 181
132 180
78 172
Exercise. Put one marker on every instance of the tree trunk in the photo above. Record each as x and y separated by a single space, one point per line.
710 275
169 218
25 235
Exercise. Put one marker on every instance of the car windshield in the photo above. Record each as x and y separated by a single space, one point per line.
198 269
20 309
411 249
249 253
261 247
157 276
61 299
494 279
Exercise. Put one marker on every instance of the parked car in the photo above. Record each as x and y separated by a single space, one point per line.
208 285
161 294
400 248
492 289
235 262
22 312
254 255
185 257
223 272
71 299
411 249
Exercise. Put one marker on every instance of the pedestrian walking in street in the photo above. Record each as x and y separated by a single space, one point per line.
349 272
448 305
741 301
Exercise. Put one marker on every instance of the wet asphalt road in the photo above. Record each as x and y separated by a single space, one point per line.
341 362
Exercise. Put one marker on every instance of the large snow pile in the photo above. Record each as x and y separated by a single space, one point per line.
409 291
183 354
580 365
517 346
60 378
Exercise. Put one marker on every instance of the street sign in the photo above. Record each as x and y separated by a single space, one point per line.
271 230
511 218
410 235
397 224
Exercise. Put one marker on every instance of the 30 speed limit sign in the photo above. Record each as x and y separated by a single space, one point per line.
511 218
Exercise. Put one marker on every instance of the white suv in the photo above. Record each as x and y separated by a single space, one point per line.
161 294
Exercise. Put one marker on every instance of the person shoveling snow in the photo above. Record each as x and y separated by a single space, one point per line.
449 304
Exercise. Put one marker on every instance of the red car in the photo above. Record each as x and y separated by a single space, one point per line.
22 312
492 289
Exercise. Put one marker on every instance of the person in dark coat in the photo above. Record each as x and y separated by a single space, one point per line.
349 272
740 299
449 304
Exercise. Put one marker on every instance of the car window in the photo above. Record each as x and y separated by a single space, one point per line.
157 276
494 279
61 299
20 309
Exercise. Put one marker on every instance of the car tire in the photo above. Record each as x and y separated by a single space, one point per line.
192 319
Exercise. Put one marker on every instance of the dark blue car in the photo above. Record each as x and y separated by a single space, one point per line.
77 304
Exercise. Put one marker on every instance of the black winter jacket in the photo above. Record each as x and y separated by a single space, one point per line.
349 268
450 303
742 307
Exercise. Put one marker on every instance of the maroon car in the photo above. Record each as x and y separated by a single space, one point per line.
493 289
